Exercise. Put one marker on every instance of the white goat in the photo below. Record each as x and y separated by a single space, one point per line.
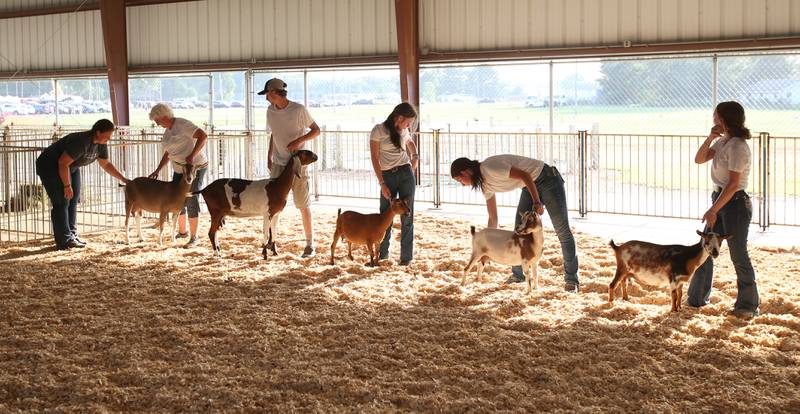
521 247
659 265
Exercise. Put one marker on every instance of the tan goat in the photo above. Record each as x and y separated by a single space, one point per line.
163 197
368 229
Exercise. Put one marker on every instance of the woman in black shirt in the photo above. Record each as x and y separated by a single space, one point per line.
58 168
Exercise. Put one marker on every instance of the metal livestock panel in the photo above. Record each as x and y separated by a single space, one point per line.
245 30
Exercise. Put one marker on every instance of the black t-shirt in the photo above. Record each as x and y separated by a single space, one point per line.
78 146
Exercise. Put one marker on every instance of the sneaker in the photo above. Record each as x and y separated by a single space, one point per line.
744 313
182 235
515 279
309 251
79 241
571 287
71 244
191 243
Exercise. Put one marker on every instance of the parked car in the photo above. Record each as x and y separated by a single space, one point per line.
535 102
9 108
237 104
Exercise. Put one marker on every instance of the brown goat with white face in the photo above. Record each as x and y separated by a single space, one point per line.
659 265
163 197
368 229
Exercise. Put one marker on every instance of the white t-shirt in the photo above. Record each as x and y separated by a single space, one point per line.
730 154
495 171
179 142
390 156
286 125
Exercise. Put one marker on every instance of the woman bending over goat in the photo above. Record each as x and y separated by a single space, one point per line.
58 166
183 144
395 159
543 187
731 210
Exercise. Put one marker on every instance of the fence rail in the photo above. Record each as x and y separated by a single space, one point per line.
649 175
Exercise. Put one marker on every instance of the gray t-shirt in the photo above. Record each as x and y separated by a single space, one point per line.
496 169
390 156
79 146
730 154
286 125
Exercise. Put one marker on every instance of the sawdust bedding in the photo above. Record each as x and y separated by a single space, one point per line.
146 328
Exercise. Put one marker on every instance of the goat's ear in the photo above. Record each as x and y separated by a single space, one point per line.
699 233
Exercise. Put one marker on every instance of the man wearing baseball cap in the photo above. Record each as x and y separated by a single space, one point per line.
291 126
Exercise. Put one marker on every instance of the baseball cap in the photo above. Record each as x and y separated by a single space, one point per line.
273 84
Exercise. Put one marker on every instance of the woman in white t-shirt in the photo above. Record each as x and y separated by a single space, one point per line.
542 186
731 209
183 144
394 159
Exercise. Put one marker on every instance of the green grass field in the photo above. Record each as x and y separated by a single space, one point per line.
468 117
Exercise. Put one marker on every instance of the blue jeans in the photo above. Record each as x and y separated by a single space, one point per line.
550 187
192 204
64 213
733 219
402 184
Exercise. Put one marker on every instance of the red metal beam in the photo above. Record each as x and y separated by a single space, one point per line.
407 15
115 38
89 5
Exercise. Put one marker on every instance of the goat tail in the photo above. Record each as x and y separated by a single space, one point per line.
338 213
472 230
613 246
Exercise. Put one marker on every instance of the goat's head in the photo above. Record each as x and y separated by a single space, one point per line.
401 206
189 172
530 223
301 158
305 156
711 242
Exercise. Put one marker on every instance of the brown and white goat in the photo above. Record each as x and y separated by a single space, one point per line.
246 198
368 229
659 265
522 247
163 197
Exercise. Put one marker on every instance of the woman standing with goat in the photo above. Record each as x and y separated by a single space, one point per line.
394 160
58 166
542 186
731 210
183 144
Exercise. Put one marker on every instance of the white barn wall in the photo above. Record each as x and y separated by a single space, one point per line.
245 30
475 25
52 42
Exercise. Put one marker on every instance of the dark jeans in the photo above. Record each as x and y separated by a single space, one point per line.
402 184
733 219
64 213
192 205
550 187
